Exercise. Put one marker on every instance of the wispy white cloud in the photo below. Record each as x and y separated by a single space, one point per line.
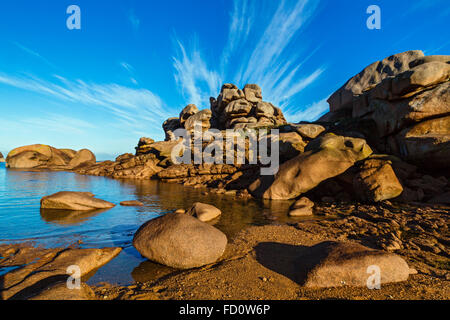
285 23
196 80
270 62
242 18
309 113
136 108
271 65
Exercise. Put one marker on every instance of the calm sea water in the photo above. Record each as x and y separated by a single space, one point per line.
22 220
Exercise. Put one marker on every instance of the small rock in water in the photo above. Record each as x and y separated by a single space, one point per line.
204 212
131 203
302 207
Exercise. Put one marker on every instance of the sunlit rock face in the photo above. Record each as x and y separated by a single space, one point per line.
42 156
406 98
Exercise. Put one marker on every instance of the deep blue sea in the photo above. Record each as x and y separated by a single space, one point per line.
22 220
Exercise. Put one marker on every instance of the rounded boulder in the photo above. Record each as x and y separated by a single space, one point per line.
180 241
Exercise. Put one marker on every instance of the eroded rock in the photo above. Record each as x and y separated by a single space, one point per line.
43 268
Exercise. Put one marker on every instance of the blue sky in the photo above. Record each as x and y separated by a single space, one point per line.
135 63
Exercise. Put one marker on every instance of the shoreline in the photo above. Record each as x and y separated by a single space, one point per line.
263 257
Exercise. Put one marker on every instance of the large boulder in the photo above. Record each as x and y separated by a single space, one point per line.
40 156
78 201
337 264
180 241
376 181
83 157
238 108
325 157
371 76
401 105
36 156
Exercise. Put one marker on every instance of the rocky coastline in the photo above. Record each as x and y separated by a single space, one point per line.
376 167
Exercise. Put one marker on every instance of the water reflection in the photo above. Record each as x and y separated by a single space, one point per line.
149 271
21 218
68 217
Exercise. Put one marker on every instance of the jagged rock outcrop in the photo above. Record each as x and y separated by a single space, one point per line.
233 109
237 109
126 167
1 158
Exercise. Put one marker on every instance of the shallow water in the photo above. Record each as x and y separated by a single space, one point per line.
22 220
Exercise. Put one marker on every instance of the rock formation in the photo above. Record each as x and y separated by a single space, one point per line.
1 158
41 156
327 157
232 109
406 99
386 137
43 268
